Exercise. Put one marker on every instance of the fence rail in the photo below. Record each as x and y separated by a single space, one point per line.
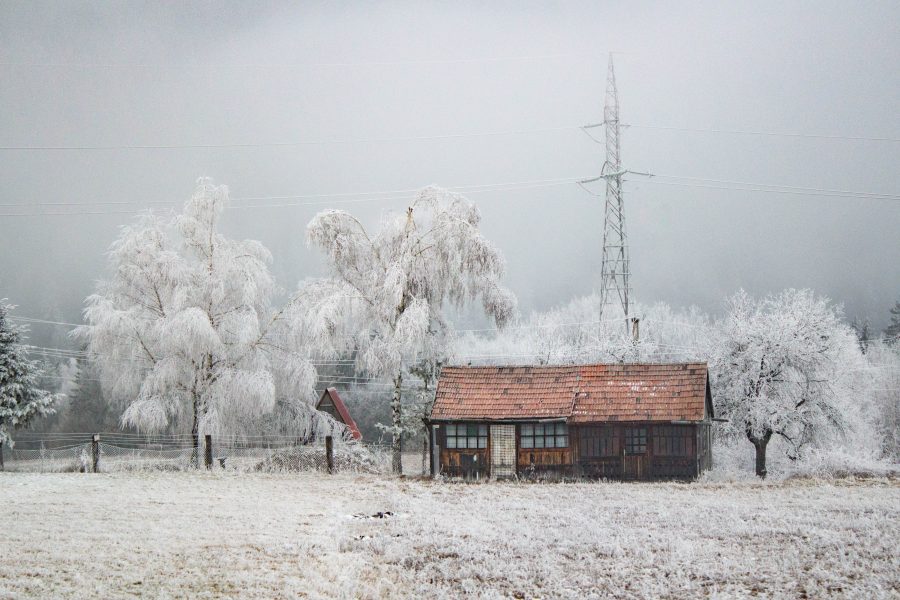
123 452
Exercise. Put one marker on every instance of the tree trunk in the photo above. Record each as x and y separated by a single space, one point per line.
760 444
2 468
396 463
195 435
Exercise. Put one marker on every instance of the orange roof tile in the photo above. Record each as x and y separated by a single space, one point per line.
578 393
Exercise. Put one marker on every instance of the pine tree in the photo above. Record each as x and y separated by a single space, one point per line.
892 333
87 408
20 398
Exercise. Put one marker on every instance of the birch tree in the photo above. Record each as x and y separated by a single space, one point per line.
21 400
778 371
184 330
388 289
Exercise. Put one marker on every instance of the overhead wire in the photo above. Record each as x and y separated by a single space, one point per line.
339 198
685 181
294 65
773 190
818 136
415 138
287 144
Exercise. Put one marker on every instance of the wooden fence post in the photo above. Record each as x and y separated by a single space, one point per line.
208 454
95 452
329 453
2 468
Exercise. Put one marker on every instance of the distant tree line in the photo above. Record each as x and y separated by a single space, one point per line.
184 336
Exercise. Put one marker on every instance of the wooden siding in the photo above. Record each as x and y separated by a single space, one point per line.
656 451
546 462
470 463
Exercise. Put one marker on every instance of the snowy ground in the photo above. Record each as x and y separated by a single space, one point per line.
283 536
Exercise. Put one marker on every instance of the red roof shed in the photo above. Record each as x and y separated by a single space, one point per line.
331 403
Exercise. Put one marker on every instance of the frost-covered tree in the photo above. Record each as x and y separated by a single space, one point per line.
21 400
884 372
86 407
892 332
575 333
387 292
780 370
184 330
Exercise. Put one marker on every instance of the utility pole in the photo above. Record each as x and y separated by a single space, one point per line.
615 273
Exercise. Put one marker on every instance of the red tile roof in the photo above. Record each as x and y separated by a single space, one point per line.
577 393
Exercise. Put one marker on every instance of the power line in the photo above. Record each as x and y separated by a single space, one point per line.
338 198
341 64
817 136
410 138
860 196
777 185
288 144
34 320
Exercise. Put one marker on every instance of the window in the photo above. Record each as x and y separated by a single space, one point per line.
466 435
635 440
672 440
597 442
544 435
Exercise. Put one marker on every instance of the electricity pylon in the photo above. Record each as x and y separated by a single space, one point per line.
614 270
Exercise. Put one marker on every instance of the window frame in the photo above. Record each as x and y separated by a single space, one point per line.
535 435
463 431
603 437
673 441
631 446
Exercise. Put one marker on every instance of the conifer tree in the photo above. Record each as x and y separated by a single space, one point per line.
21 400
892 332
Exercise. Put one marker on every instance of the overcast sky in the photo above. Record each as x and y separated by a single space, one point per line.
207 73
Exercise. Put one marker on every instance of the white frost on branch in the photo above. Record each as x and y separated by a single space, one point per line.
781 369
21 400
184 328
384 302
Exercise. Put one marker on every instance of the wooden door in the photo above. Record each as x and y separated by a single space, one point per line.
634 454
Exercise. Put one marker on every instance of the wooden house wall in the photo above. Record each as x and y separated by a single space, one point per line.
704 447
594 451
471 463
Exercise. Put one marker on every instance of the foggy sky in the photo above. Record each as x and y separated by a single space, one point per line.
222 73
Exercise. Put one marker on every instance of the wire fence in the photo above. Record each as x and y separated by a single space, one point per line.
117 452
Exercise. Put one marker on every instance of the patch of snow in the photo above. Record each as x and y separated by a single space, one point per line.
211 535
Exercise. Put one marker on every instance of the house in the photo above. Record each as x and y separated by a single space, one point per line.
623 421
331 403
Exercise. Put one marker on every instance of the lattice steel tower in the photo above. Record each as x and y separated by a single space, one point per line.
614 270
615 274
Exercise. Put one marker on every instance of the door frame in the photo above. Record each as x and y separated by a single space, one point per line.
635 463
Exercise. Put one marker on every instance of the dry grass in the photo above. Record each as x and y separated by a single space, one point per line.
204 535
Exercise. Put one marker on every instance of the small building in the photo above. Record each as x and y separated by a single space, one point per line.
331 403
622 421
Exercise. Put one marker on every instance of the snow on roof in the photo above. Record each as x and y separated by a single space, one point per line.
577 393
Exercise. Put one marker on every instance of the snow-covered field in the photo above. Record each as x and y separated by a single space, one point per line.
196 535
